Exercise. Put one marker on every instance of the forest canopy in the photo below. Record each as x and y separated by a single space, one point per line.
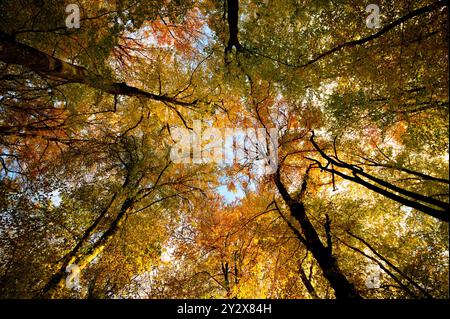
224 149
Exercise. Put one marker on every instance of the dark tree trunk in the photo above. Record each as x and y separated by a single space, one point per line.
233 18
342 287
307 283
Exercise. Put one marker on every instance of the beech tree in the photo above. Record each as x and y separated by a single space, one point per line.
357 206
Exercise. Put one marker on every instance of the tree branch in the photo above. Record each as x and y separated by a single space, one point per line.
13 52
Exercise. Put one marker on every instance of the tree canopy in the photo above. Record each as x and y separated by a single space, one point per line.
353 203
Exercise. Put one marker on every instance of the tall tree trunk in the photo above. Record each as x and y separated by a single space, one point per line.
82 259
233 19
342 287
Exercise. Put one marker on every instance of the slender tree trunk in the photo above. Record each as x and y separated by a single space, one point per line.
390 264
307 283
57 281
386 270
226 278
